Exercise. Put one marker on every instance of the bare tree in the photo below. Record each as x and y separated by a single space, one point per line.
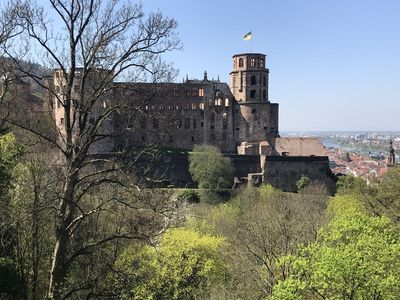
90 43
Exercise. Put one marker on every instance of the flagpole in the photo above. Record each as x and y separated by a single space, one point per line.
251 41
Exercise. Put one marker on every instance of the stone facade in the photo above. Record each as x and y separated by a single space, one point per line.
239 119
181 115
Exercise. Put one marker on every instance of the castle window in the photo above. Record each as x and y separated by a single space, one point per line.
252 94
194 106
226 102
201 92
253 80
240 62
212 118
194 123
192 138
201 106
224 121
261 63
194 93
177 107
252 62
155 124
161 107
201 124
187 123
237 128
264 94
212 126
218 102
265 81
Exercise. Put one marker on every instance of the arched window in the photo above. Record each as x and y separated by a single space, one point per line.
218 102
265 80
252 62
212 118
264 94
201 106
240 62
226 102
224 121
252 94
253 80
261 63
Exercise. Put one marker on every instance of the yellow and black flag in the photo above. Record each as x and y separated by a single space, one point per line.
247 36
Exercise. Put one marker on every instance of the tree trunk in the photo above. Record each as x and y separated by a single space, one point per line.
65 215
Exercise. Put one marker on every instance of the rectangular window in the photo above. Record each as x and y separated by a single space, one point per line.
187 123
194 106
201 92
201 124
194 123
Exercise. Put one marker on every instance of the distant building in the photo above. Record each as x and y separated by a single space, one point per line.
391 161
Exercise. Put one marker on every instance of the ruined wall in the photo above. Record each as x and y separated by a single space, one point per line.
178 115
283 172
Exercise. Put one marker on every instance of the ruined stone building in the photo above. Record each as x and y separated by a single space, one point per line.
239 119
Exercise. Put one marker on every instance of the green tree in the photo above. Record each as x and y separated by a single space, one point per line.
180 267
210 168
302 183
356 256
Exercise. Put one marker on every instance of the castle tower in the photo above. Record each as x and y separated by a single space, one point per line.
391 162
256 119
249 78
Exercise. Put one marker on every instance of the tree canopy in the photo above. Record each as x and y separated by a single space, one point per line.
210 168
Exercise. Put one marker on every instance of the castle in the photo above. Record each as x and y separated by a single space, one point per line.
239 119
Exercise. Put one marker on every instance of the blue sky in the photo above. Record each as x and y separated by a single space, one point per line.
334 65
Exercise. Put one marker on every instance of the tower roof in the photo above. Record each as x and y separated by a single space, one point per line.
249 54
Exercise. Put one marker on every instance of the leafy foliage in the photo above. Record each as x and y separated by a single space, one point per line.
209 168
180 267
355 257
10 283
303 182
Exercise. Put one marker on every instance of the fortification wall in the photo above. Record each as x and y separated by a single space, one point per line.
283 172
